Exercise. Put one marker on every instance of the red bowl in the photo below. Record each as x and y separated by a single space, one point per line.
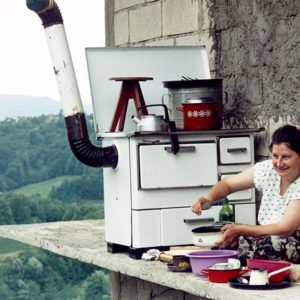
270 265
222 276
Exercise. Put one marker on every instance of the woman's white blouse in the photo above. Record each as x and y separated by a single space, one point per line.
273 204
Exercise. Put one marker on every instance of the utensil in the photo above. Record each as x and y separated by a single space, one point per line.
207 236
200 114
243 283
261 276
222 276
278 271
182 90
152 122
202 259
270 265
176 268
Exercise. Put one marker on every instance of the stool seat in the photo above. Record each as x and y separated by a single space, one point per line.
131 78
130 89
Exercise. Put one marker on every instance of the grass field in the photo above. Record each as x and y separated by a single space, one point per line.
43 188
11 248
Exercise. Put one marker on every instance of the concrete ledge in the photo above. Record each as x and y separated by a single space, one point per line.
84 240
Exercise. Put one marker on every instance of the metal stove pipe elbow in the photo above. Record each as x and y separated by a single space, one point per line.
83 149
47 10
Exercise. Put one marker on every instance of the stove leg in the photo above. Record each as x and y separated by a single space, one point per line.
135 253
116 248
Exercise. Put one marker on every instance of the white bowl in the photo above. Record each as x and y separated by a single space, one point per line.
207 236
208 239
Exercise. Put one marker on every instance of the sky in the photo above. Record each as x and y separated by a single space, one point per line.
25 62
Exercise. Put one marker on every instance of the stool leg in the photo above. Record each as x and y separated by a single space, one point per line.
123 115
123 100
139 100
129 90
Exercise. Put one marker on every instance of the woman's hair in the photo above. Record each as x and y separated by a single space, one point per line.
289 135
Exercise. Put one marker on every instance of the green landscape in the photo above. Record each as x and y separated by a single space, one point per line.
41 181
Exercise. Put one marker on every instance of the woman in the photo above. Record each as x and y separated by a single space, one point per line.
277 237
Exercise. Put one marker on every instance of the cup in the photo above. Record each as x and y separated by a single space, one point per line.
259 277
234 263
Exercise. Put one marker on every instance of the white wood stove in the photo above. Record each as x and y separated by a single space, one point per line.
148 196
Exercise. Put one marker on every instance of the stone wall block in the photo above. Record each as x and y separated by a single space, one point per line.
254 91
160 43
122 4
121 28
199 40
179 16
205 20
145 23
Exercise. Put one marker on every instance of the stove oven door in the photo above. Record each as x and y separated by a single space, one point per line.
177 224
194 165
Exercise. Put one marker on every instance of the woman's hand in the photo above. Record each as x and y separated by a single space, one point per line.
231 233
197 206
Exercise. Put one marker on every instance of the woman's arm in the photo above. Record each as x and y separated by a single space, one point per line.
288 225
226 186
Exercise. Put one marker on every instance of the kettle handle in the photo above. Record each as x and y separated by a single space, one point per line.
167 119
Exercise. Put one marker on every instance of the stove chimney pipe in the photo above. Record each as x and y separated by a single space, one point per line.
83 149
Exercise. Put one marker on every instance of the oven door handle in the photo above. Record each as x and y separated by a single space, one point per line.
234 150
198 220
182 149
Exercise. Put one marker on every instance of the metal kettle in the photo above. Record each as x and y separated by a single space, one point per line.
158 123
152 122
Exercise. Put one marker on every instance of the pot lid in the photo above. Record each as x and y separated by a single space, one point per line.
179 84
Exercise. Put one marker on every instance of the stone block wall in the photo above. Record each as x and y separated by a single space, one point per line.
148 23
253 46
258 56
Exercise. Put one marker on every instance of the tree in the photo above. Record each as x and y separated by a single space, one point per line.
6 214
36 149
5 292
97 287
15 172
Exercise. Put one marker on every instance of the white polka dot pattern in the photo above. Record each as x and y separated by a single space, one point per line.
273 204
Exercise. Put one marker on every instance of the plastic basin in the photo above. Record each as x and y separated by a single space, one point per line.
200 260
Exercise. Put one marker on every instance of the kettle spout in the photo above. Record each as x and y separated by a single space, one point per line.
136 119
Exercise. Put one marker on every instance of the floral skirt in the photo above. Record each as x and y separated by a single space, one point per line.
271 247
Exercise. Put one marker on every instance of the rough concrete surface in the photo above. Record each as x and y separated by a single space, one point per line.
84 240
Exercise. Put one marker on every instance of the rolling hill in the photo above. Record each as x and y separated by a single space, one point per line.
14 106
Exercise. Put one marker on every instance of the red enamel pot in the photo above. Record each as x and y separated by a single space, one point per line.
201 114
222 276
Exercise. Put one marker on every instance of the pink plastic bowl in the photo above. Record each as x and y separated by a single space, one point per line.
270 265
202 259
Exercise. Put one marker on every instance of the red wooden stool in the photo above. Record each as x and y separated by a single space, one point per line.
130 89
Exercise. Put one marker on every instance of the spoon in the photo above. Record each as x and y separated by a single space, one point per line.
243 280
279 271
